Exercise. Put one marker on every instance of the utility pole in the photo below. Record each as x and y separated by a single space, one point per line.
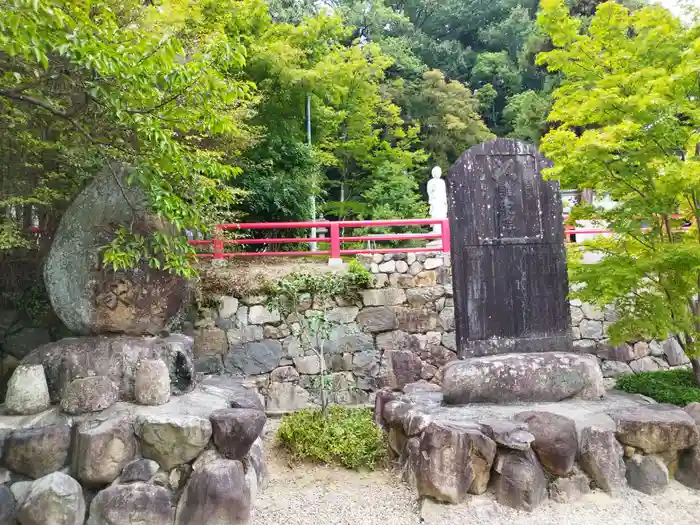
312 245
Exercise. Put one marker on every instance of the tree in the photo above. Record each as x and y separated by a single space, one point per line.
86 84
526 115
627 123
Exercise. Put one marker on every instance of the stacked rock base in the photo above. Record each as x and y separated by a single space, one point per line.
528 453
130 438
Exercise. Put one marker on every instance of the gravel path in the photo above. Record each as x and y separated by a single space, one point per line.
308 495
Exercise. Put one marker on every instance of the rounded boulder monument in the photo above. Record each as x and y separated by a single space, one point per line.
92 299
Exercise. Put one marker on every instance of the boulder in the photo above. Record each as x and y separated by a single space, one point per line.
284 374
601 457
647 474
615 369
256 460
237 393
556 443
217 494
172 439
136 503
286 397
568 490
655 428
508 434
416 320
19 343
235 430
27 391
7 506
689 468
38 451
693 410
377 319
139 470
254 358
91 298
519 480
115 357
452 461
674 352
89 394
55 499
102 450
509 378
404 367
152 382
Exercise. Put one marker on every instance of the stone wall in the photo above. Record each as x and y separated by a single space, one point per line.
400 331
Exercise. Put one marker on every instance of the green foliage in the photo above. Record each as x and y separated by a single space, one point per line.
526 115
677 387
343 436
626 118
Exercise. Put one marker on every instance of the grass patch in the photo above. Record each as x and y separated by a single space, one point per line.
345 436
677 386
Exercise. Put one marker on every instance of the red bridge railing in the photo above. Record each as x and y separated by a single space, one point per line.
335 240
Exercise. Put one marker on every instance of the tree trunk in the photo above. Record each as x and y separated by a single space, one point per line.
695 361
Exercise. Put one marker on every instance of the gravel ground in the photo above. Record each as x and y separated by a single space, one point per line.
308 495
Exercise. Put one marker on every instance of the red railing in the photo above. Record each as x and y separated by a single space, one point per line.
335 240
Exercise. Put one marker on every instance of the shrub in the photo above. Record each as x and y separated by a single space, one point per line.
345 436
676 386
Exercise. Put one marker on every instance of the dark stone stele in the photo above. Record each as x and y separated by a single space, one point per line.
508 257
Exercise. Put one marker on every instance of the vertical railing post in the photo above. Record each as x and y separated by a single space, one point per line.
335 244
218 243
445 231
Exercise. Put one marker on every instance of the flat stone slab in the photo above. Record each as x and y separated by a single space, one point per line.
513 378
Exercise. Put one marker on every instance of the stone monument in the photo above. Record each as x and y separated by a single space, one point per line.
437 198
510 276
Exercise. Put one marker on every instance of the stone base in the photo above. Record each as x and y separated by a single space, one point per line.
516 378
196 459
510 345
528 453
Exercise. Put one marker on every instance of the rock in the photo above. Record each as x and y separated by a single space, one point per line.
416 320
38 451
286 397
102 450
433 262
210 341
216 495
259 314
235 430
284 374
508 433
90 298
693 410
623 353
674 352
27 391
342 314
377 319
237 394
615 369
556 443
228 306
404 367
152 383
90 394
19 344
418 297
255 358
20 488
655 428
178 477
601 457
641 349
172 439
256 460
55 499
383 297
647 474
656 349
447 318
7 506
387 267
645 364
576 315
591 329
136 503
346 339
543 377
519 480
689 468
569 490
451 461
115 357
401 266
308 364
449 341
139 470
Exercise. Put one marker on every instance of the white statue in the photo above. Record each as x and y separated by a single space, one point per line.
437 198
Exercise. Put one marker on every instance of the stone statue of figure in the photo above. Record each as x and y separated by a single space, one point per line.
437 198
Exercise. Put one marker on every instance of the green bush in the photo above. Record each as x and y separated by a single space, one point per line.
677 386
345 436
